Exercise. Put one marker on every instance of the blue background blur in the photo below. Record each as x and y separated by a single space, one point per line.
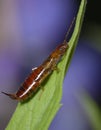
29 31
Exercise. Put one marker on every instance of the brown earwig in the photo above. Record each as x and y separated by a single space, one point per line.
39 74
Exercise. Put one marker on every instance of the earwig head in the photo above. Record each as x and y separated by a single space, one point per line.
13 96
61 49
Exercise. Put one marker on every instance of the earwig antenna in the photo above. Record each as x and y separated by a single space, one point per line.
71 25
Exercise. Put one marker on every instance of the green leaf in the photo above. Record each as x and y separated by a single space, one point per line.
37 114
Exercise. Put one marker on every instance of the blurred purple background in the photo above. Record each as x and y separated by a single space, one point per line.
29 31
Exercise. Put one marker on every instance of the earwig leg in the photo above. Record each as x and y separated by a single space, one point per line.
13 96
34 68
56 68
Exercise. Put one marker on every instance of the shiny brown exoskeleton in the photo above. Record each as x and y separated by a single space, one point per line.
39 74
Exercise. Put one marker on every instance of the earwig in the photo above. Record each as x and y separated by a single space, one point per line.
39 74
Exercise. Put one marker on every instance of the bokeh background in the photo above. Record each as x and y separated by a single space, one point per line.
29 31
